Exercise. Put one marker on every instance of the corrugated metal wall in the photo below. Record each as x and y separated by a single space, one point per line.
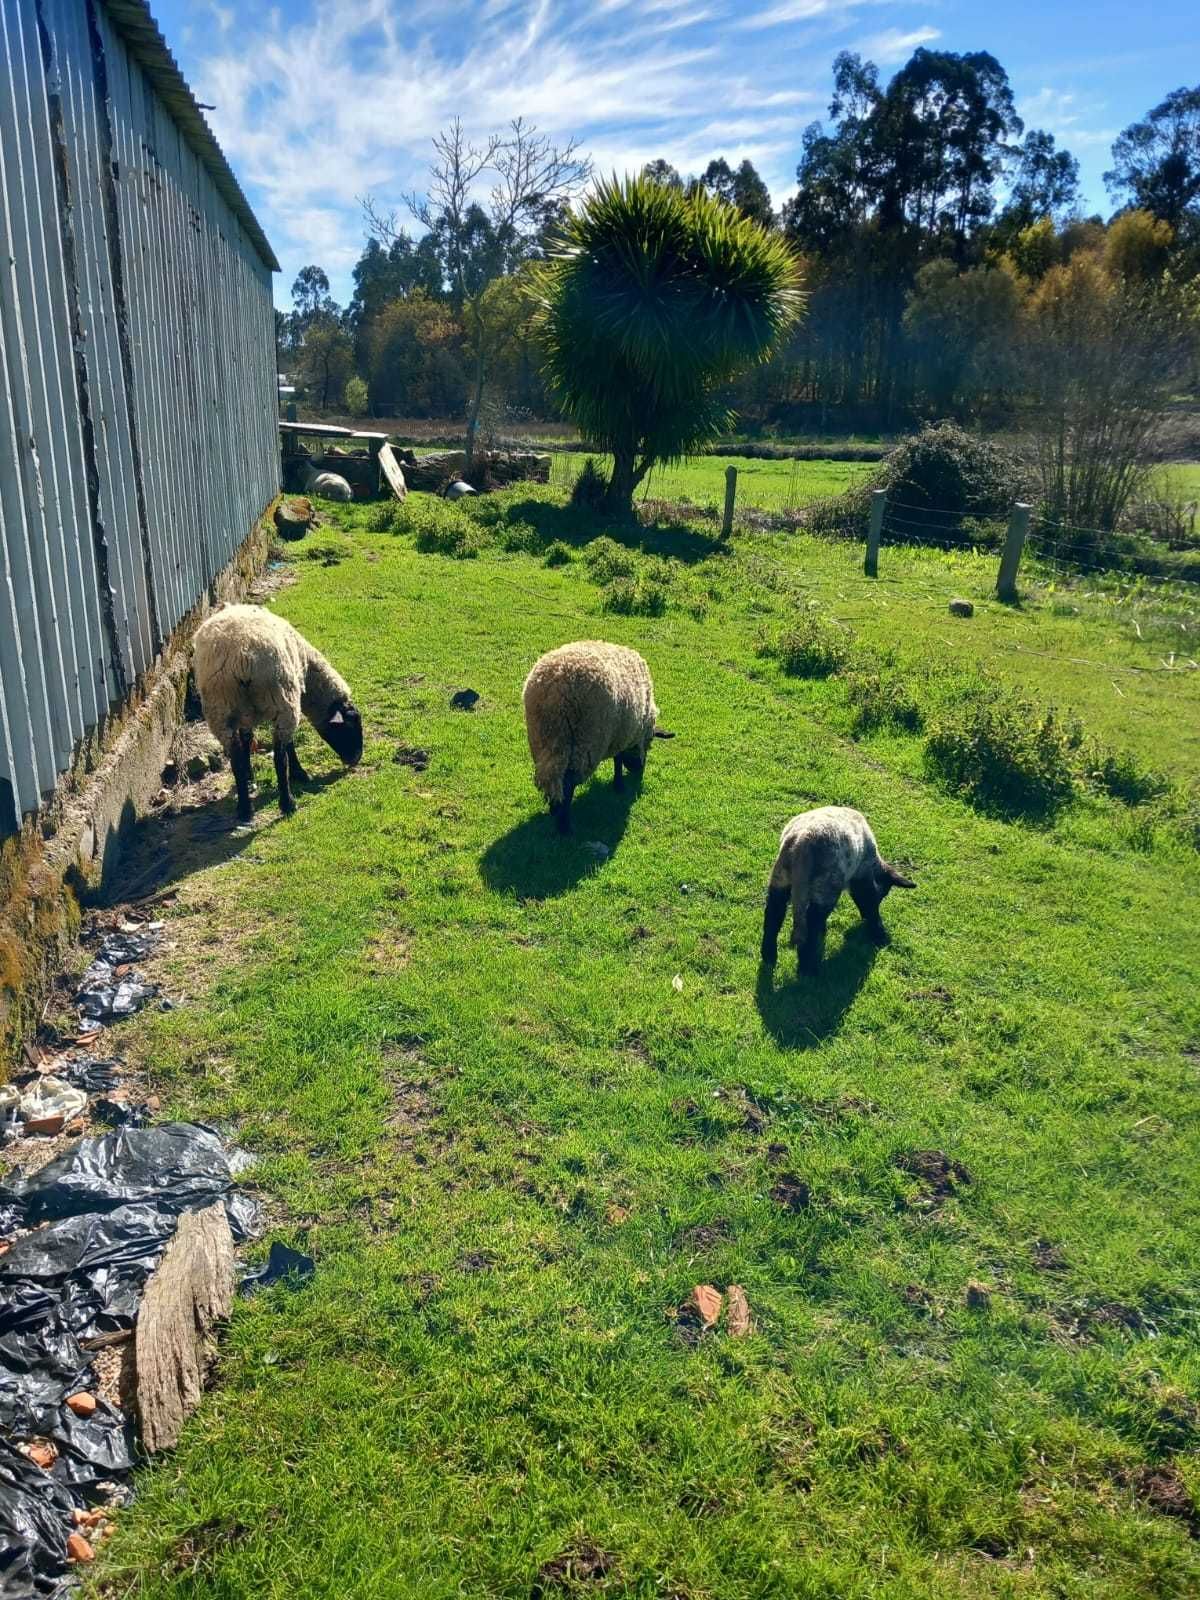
138 439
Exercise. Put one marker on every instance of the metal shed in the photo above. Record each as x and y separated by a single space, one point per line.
138 403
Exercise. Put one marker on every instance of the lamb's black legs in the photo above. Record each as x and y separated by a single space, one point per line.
618 780
239 760
286 804
813 948
295 771
776 910
866 898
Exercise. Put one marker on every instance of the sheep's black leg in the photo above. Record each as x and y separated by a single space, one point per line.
633 763
813 947
239 760
295 771
286 804
776 910
866 898
618 780
563 814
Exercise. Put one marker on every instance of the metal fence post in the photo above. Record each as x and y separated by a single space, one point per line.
730 497
1014 543
874 532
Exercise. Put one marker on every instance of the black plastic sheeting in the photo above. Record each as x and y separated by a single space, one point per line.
104 1213
283 1265
102 996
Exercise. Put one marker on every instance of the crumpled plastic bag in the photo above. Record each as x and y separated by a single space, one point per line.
102 996
176 1166
35 1515
102 1215
49 1097
283 1265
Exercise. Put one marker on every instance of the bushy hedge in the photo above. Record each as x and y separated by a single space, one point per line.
1006 757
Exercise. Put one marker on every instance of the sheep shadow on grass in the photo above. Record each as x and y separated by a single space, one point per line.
800 1012
535 862
164 847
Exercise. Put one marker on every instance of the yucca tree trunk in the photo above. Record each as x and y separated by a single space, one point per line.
623 482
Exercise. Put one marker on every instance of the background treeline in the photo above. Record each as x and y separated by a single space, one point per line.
948 268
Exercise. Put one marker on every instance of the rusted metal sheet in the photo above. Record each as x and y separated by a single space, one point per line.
138 404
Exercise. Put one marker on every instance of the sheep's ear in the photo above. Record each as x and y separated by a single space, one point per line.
661 733
335 719
894 877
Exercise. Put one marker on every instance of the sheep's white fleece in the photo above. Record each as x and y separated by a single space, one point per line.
253 667
328 485
585 703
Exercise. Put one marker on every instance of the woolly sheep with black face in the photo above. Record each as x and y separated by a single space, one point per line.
252 667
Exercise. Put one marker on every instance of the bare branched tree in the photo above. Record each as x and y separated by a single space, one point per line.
534 181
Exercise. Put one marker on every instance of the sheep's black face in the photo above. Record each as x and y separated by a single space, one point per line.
342 731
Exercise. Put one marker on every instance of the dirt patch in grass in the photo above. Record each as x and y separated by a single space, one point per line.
579 1565
939 1173
410 756
1048 1257
1164 1491
791 1192
706 1236
1083 1321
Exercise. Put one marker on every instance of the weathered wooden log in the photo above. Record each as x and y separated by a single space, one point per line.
187 1296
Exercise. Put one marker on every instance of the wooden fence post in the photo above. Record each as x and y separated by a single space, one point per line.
1014 543
730 497
874 531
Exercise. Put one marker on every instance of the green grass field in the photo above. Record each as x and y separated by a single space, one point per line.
517 1101
765 484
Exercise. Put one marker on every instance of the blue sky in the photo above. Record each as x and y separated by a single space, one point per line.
316 104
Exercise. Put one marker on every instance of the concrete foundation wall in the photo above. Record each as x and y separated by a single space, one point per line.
71 849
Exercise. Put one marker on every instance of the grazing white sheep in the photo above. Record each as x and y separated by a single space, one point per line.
586 703
327 485
821 853
253 667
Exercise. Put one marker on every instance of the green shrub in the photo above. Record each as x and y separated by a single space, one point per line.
1005 757
605 560
590 487
840 516
557 554
382 518
635 597
946 468
356 397
883 700
1120 774
520 536
811 646
443 530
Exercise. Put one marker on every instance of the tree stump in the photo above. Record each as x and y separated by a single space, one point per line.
189 1294
293 518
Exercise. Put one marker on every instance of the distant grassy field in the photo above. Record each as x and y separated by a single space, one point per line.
766 484
518 1100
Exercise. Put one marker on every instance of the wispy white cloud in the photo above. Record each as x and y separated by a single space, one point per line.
894 45
805 11
1069 119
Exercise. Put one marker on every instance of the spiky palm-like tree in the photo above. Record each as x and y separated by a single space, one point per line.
651 299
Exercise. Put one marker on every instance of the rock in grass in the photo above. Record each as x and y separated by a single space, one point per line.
961 608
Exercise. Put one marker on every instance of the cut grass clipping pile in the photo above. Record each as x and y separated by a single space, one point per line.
520 1098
